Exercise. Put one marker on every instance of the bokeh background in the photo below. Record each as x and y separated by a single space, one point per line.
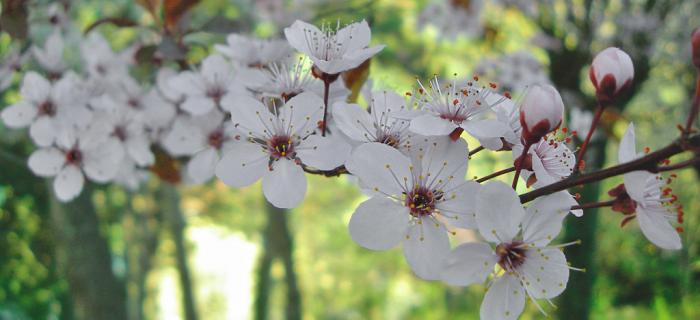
210 252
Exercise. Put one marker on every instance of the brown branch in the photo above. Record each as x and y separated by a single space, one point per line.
337 172
475 151
593 205
649 162
496 174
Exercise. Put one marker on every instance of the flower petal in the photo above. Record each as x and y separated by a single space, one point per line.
242 164
354 121
627 150
248 114
460 205
504 300
198 105
545 272
657 228
489 128
35 88
285 185
43 131
102 163
379 223
19 115
426 247
201 167
544 217
46 162
68 183
498 212
469 263
302 113
325 153
636 184
432 125
380 168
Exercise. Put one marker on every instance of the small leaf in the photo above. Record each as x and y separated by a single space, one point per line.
355 78
169 49
13 19
174 10
117 21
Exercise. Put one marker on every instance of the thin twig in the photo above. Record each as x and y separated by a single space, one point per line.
495 174
519 164
596 118
593 205
475 151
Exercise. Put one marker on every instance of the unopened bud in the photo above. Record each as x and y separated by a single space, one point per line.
541 112
695 44
611 72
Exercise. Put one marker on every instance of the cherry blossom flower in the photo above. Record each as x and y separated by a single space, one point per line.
412 200
50 58
75 156
526 265
274 146
47 107
547 161
652 209
207 87
541 112
204 138
376 124
11 63
451 110
508 113
611 72
333 50
254 52
129 129
101 62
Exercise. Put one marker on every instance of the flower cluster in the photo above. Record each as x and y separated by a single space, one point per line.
256 110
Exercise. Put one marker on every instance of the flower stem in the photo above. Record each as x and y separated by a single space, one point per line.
594 205
496 174
475 151
598 113
326 89
519 164
693 108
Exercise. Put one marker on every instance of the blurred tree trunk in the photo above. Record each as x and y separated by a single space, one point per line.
277 244
170 205
85 259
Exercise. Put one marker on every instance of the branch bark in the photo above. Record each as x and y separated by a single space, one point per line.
649 162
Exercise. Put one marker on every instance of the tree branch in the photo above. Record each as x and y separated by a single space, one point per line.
649 162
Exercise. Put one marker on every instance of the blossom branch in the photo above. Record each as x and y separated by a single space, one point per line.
594 205
496 174
694 108
476 150
596 118
649 162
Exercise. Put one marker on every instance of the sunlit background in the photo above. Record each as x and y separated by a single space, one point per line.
230 256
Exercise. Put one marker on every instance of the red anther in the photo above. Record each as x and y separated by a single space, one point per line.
320 124
455 102
679 229
420 90
574 133
476 78
647 150
581 165
507 95
565 130
556 145
492 85
478 103
237 137
409 94
669 181
577 195
674 198
568 140
673 175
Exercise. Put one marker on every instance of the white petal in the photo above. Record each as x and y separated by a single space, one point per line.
380 167
198 105
354 121
18 115
184 138
68 183
657 228
431 125
297 35
46 162
285 185
469 263
248 114
35 88
489 128
543 176
355 36
627 150
498 212
201 167
102 163
504 300
379 223
545 272
446 160
139 149
302 113
43 131
325 153
242 164
426 248
636 184
544 217
460 205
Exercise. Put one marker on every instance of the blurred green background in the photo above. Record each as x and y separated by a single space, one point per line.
210 252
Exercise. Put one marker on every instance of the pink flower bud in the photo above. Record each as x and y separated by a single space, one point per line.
611 72
695 43
540 113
